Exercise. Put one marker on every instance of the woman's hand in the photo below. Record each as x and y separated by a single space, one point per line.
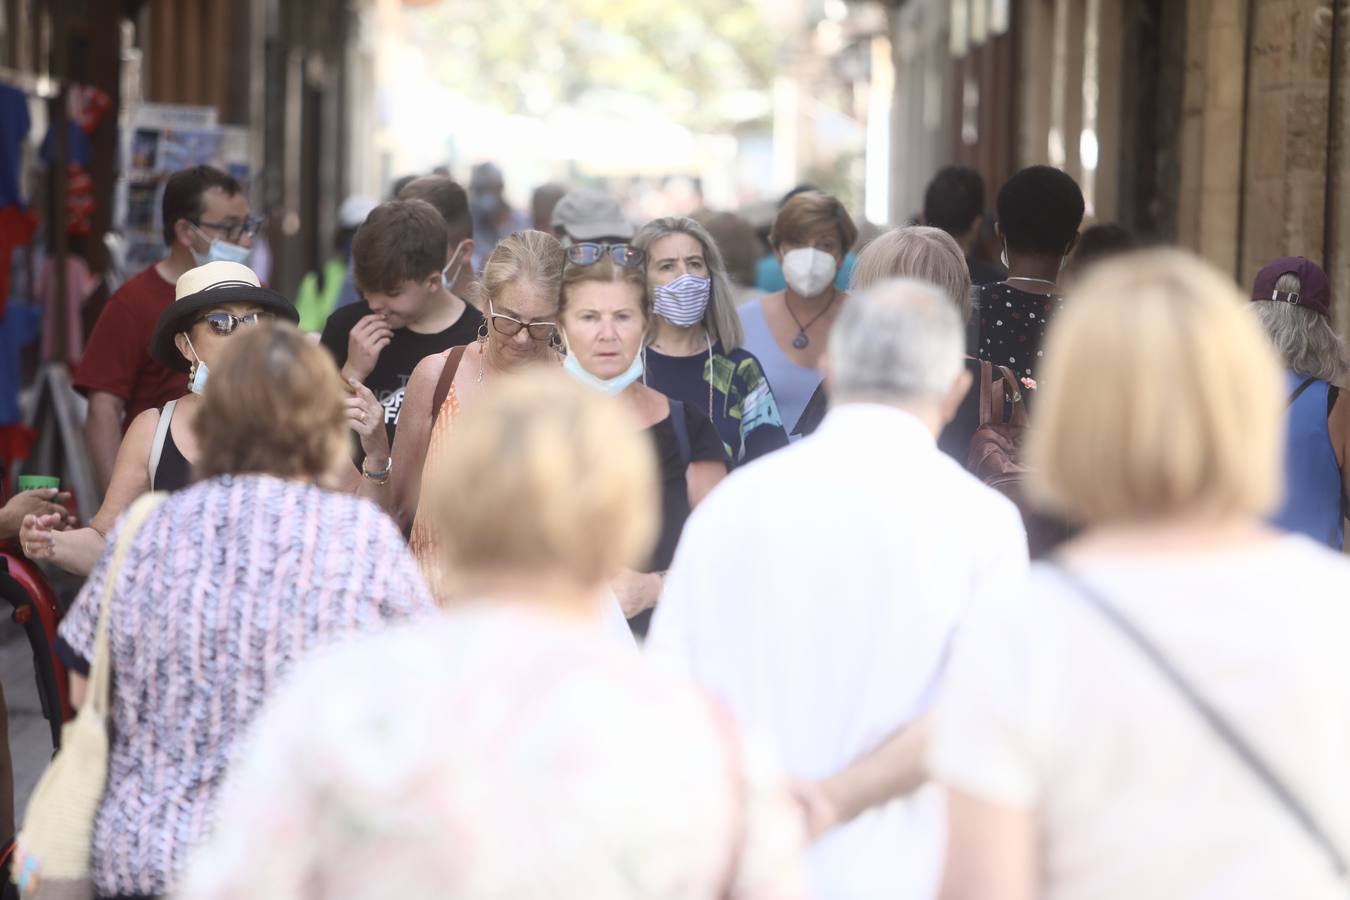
37 535
636 591
365 415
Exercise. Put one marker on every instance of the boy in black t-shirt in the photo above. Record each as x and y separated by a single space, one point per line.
407 311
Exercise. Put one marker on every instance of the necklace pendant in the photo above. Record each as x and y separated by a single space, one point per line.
801 340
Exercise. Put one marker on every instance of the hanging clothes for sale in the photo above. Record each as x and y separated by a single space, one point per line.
14 127
19 327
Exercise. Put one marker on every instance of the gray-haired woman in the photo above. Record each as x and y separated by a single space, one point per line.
694 351
1292 298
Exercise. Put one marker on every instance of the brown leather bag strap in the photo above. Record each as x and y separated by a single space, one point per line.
453 356
987 393
1012 395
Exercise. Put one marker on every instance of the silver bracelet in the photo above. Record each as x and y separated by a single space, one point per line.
381 476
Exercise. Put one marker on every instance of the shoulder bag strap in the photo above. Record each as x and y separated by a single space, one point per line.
1221 726
1012 410
680 422
161 433
453 357
987 414
100 667
1298 391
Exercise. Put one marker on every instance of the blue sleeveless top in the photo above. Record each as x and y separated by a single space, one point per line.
1312 477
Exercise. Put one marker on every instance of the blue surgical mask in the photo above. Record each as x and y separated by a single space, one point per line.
198 374
221 251
610 386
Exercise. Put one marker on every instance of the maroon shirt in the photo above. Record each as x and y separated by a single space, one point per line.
117 359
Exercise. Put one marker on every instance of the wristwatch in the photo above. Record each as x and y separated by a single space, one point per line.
380 477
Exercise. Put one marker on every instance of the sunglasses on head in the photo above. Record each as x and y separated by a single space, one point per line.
226 323
509 326
588 253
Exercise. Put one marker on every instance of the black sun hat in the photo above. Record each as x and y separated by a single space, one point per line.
206 287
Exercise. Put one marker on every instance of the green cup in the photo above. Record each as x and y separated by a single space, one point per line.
37 482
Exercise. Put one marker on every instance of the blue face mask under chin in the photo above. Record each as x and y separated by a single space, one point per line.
610 386
198 374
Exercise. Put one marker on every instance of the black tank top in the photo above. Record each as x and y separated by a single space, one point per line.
173 473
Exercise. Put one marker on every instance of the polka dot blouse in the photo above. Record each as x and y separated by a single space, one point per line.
1013 325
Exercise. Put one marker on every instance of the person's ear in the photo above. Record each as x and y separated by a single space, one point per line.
975 225
955 395
184 233
180 340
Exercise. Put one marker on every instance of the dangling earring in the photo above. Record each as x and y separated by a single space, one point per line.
555 342
483 332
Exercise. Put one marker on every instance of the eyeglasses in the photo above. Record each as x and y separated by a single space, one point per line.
225 323
234 231
509 326
588 253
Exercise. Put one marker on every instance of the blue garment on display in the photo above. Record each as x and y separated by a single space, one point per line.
78 148
14 125
1312 477
769 274
20 326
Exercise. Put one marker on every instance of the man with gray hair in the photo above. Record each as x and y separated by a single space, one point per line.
817 590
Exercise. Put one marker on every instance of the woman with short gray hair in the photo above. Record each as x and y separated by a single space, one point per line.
930 255
1292 298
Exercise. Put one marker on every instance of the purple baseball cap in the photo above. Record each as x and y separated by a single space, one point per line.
1314 289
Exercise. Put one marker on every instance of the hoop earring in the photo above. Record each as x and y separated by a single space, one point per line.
483 332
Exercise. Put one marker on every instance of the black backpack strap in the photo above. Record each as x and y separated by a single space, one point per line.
1221 726
680 422
1298 391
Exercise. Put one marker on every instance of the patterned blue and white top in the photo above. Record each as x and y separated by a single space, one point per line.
226 585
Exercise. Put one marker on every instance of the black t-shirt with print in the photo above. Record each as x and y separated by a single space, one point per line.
389 379
1013 325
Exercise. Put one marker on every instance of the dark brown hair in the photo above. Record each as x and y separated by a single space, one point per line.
450 200
273 405
401 240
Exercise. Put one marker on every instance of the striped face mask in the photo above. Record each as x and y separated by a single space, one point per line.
682 301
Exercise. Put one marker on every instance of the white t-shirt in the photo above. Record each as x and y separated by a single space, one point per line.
1049 707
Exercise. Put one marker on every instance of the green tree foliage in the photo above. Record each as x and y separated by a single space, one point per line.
529 56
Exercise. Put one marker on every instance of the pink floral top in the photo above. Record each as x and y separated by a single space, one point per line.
498 752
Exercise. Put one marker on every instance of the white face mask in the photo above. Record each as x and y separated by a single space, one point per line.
808 271
450 274
198 373
572 366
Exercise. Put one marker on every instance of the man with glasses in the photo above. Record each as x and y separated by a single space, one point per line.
206 217
402 266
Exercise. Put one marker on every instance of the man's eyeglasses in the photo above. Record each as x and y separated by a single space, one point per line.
234 232
225 323
588 253
509 326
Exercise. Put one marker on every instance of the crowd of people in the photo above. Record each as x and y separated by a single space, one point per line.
597 559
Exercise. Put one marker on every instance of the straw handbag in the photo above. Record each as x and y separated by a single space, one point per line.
54 848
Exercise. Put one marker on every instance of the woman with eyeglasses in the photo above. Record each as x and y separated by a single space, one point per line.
604 315
694 352
520 292
213 302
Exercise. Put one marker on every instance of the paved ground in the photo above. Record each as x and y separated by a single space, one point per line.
30 741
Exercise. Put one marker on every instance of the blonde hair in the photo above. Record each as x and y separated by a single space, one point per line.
529 255
273 405
1161 397
544 478
920 252
605 270
720 319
